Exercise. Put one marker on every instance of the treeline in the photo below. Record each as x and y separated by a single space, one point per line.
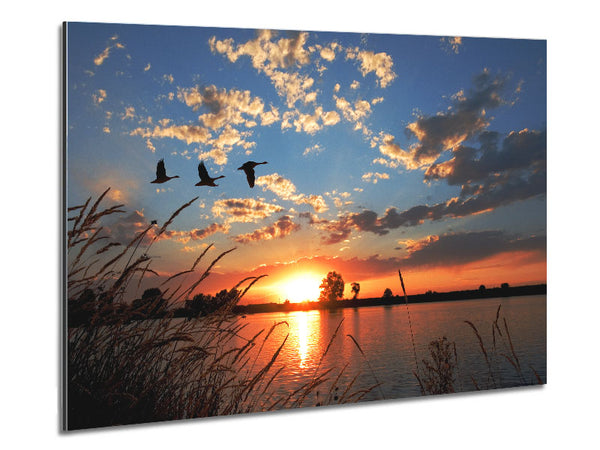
93 306
152 305
389 299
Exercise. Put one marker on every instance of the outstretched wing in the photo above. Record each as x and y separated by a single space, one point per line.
202 172
160 170
250 176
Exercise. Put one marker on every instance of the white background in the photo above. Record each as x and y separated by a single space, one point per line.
562 413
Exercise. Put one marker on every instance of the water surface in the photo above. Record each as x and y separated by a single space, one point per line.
384 336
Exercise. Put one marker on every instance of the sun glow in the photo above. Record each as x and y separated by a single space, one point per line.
299 288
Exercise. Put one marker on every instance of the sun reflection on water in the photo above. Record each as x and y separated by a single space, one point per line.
305 327
302 323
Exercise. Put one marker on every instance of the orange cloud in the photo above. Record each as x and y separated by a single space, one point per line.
99 96
270 57
99 60
451 44
373 177
380 63
281 228
227 107
244 209
199 234
187 133
286 190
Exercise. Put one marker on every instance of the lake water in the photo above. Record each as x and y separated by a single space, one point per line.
383 333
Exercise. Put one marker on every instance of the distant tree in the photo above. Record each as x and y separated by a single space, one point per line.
151 302
482 288
355 290
151 294
332 287
387 293
204 304
504 285
226 300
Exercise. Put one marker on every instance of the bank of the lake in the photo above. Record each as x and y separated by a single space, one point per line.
428 297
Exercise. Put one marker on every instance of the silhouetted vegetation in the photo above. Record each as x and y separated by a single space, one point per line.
387 293
438 374
136 362
355 290
429 296
203 305
332 288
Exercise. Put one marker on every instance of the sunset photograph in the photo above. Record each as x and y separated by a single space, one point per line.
259 220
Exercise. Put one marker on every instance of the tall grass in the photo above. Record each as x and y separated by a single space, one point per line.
502 349
439 373
134 362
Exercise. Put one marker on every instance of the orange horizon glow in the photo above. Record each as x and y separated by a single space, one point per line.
515 268
300 287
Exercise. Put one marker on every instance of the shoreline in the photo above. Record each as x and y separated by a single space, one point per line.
429 297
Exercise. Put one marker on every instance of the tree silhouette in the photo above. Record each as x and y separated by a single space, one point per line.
204 304
387 293
151 303
355 290
332 287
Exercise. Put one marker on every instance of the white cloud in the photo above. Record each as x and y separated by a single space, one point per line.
286 190
380 63
374 177
99 96
451 44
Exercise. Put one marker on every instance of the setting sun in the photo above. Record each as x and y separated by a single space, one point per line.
299 288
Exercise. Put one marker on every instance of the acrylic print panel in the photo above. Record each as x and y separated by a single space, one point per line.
261 220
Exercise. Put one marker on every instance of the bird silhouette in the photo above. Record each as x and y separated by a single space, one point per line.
161 173
248 167
205 178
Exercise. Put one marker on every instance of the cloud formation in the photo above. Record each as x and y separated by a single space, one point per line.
451 44
374 177
353 113
286 190
226 107
201 233
524 150
491 176
309 123
461 248
465 118
243 209
317 148
102 56
379 63
186 133
274 58
279 229
99 96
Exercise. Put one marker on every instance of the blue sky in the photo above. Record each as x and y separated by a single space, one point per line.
383 150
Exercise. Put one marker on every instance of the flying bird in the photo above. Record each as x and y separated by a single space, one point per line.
161 173
205 178
248 167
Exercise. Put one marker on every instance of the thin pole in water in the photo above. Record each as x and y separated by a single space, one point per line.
412 337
